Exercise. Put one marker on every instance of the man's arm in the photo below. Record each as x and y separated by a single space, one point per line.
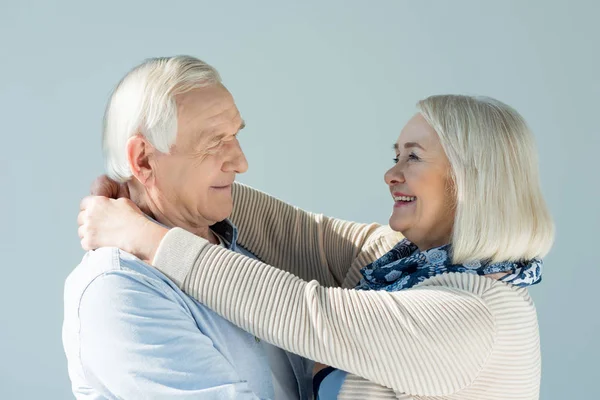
139 342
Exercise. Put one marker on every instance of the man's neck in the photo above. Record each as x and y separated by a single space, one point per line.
203 231
141 199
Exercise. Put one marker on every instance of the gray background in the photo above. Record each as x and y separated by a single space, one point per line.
325 87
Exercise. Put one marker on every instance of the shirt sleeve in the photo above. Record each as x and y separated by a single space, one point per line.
308 245
330 385
425 341
139 342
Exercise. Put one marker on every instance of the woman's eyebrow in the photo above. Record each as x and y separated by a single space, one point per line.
408 145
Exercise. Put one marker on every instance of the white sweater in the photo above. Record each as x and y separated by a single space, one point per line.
454 336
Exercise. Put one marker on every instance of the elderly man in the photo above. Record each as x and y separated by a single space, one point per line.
170 134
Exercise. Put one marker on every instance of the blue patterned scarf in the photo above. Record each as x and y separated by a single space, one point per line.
404 267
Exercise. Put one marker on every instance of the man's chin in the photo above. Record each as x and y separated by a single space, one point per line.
223 212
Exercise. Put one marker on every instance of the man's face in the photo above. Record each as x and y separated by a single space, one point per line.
193 182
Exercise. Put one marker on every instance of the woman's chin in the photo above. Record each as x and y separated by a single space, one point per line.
397 226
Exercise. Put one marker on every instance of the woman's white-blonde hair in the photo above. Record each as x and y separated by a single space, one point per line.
501 214
144 103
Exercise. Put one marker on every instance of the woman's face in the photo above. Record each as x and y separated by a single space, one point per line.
420 183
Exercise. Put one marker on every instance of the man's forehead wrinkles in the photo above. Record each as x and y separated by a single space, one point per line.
203 124
221 121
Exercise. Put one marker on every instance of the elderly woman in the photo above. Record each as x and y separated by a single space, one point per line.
444 314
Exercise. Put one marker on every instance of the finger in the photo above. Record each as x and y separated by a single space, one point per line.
104 186
97 186
81 217
85 202
88 201
123 191
85 245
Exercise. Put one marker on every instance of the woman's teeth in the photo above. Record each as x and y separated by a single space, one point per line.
404 198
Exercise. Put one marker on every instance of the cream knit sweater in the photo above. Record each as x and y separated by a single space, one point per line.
454 336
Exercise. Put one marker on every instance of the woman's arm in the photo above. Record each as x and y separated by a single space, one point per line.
428 341
310 246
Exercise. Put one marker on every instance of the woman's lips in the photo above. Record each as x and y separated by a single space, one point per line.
403 199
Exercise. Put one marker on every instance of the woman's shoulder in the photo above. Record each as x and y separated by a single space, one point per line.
515 355
506 302
476 284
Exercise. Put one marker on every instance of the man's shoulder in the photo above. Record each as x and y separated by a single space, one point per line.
109 262
93 265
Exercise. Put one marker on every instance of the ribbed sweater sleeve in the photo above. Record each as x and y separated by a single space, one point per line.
425 341
308 245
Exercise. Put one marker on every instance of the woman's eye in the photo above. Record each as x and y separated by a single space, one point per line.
410 157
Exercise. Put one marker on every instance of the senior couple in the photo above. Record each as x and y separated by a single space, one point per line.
195 287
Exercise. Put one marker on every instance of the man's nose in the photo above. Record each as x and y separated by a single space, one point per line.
236 160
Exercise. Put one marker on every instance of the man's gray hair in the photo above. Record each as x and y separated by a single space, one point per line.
144 103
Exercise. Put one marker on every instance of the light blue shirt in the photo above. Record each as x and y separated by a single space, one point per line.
331 385
130 333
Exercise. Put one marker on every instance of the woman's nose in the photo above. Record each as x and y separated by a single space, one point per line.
394 176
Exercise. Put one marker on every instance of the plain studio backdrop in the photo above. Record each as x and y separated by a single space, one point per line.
324 87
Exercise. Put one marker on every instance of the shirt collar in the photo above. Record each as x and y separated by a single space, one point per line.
228 232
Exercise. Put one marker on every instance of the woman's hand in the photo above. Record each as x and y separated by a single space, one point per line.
105 222
104 186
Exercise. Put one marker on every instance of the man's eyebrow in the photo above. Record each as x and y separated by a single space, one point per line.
218 138
408 145
221 136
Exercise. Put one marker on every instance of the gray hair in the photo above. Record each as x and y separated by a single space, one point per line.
144 103
501 214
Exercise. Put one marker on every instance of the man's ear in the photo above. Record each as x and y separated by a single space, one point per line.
140 155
